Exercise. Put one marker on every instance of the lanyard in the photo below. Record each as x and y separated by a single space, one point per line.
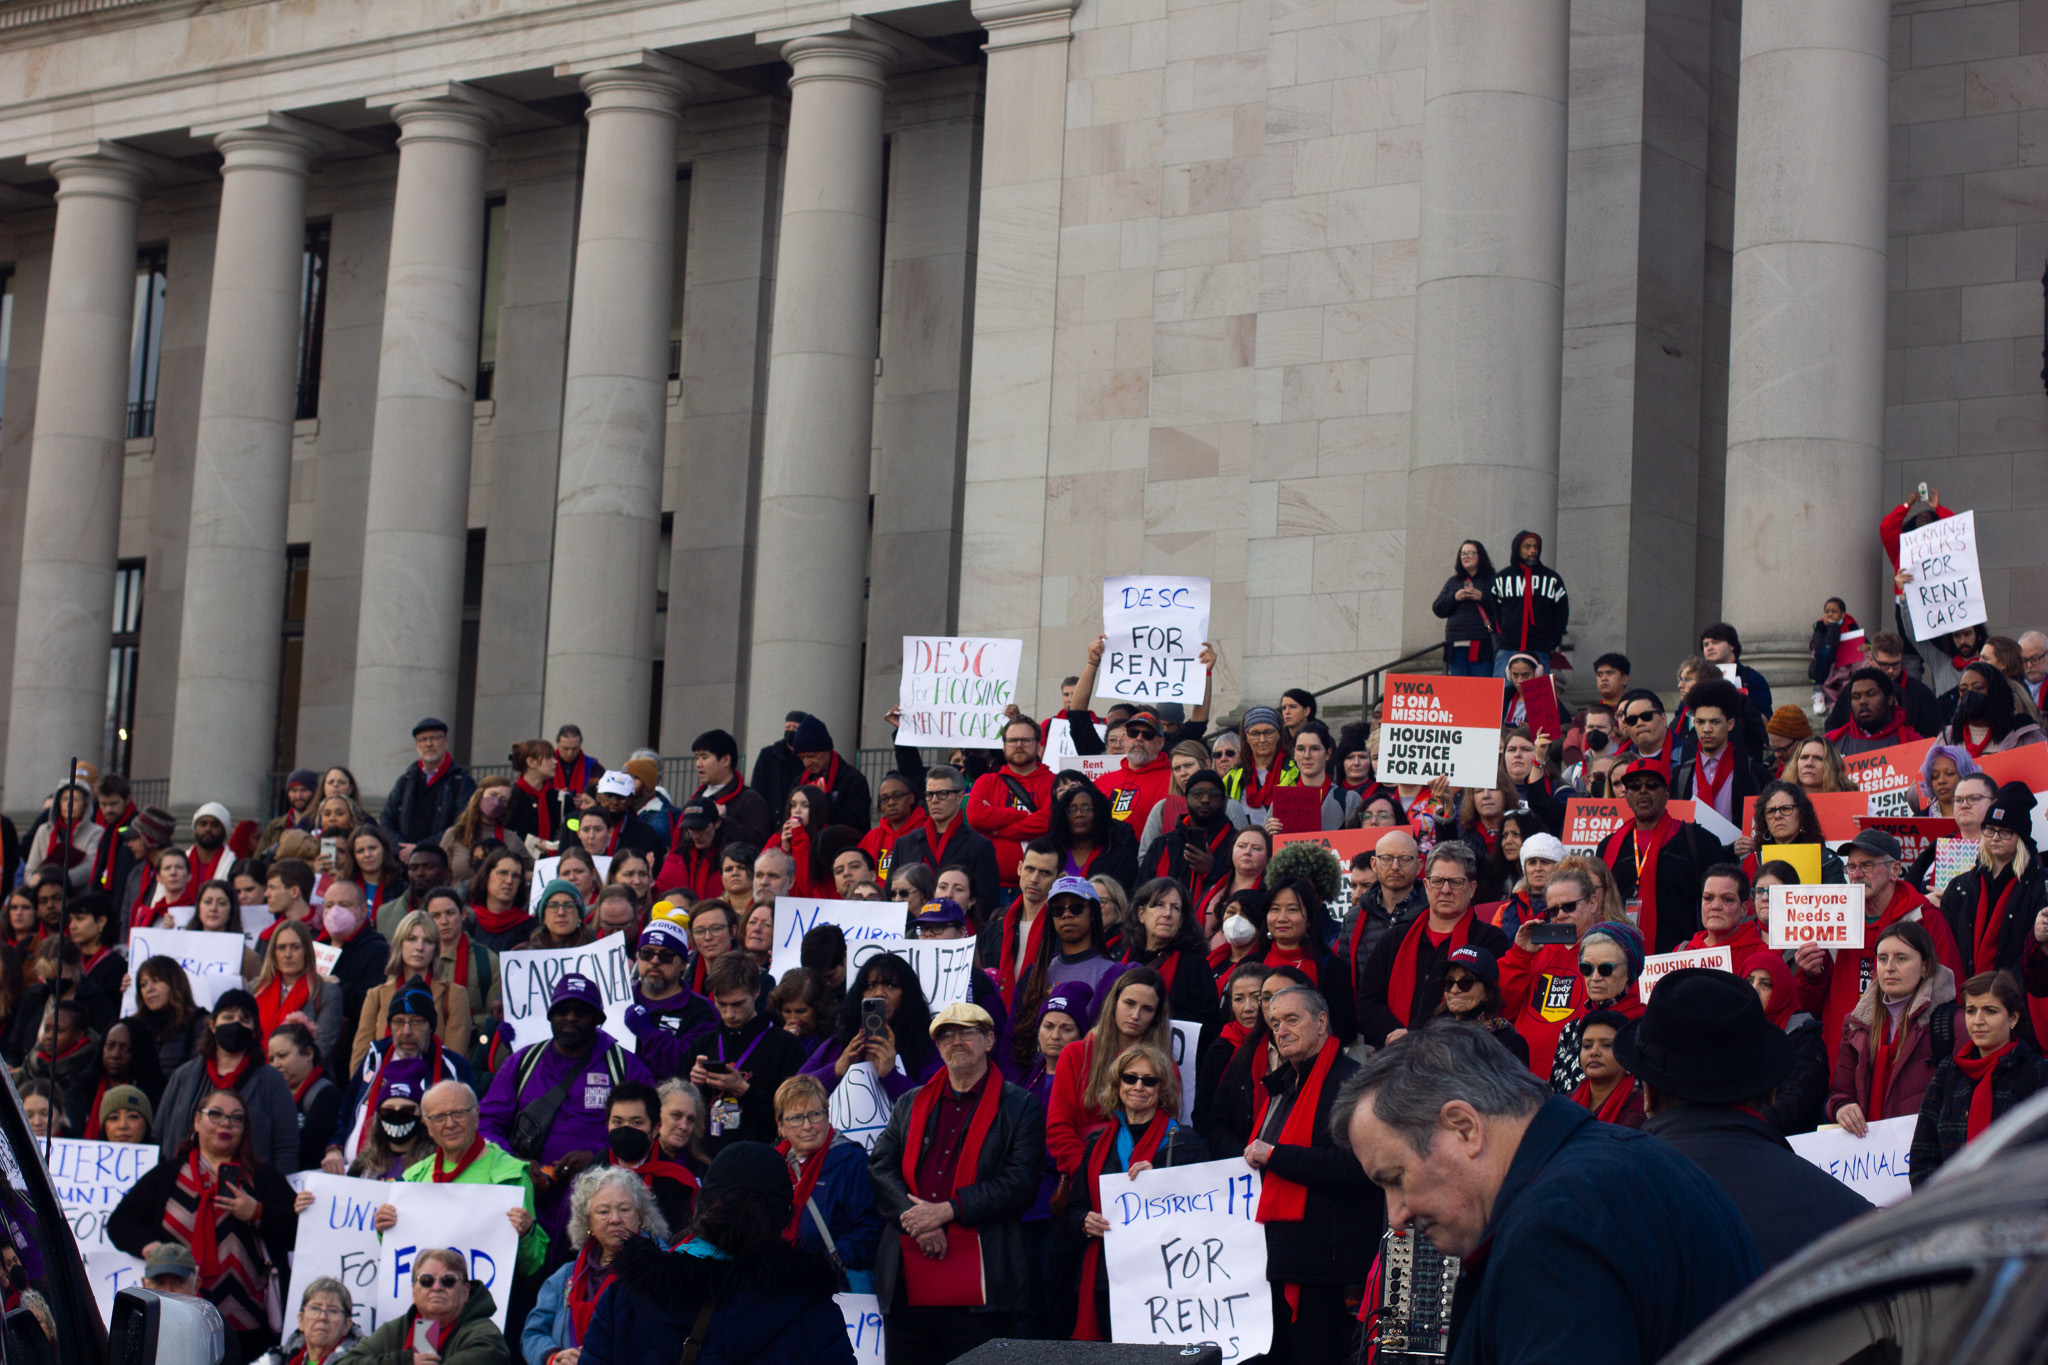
744 1055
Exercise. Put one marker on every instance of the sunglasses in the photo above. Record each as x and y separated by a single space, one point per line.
1070 910
1461 983
1142 1082
445 1281
662 956
1587 969
1140 732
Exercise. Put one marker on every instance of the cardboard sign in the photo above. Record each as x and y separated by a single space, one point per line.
1588 820
1186 1047
860 921
1874 1165
858 1107
336 1239
1298 809
1156 628
1186 1258
1837 812
530 974
1660 965
547 869
1890 777
944 966
90 1179
955 688
212 962
1825 916
1916 834
1803 858
1947 591
863 1313
1441 727
469 1219
1059 741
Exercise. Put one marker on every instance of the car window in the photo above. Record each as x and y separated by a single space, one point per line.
40 1266
1916 1322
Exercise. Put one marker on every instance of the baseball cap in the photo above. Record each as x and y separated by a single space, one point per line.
1475 960
962 1015
1873 841
1645 767
942 910
615 782
169 1258
576 989
1150 718
700 813
1074 886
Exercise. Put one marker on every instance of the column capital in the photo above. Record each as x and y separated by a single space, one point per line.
105 173
268 149
444 120
1025 23
265 138
849 48
642 89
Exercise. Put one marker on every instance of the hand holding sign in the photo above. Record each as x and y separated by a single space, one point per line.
956 689
1939 577
1155 628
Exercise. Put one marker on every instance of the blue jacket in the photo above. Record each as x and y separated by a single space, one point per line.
549 1327
846 1196
774 1308
1605 1244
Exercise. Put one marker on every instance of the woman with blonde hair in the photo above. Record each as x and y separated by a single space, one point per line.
1815 766
415 952
290 988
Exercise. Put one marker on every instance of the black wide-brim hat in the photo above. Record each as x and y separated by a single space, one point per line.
1704 1038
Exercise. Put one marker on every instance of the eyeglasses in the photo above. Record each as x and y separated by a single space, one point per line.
445 1281
1133 1078
1395 859
1979 800
1447 883
225 1118
902 893
661 956
1587 969
805 1119
1786 808
451 1116
323 1310
1461 983
941 793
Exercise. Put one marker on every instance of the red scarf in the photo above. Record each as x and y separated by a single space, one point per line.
806 1181
275 1004
1895 731
1282 1200
1990 919
1976 747
1087 1327
1884 1055
1234 1034
1646 869
926 1103
1008 962
299 1092
202 870
1617 1099
545 818
570 774
1166 966
142 912
440 770
1978 1069
92 1115
738 786
582 1299
1528 605
1709 789
1300 960
1256 794
216 1081
1401 985
443 1176
203 1235
109 849
459 961
500 921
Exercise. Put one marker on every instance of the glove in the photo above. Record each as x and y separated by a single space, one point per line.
639 1019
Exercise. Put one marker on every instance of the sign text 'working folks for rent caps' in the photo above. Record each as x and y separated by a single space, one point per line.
1946 590
1440 727
1825 916
955 688
1153 629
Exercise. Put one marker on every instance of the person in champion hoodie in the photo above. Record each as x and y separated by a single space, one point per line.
1531 607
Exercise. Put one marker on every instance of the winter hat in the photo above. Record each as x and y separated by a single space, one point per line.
1075 999
645 771
1543 846
1260 715
1204 777
1704 1038
559 884
1626 937
237 999
416 999
218 812
121 1097
1789 722
753 1166
155 825
2012 810
303 777
576 989
811 737
661 933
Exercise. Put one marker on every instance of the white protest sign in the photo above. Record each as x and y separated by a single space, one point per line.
336 1239
1186 1258
1947 591
325 957
1155 628
1874 1165
255 919
1059 741
1441 727
1711 820
863 1314
955 688
110 1272
1187 1043
1829 916
944 967
547 869
858 920
91 1177
1660 965
529 976
468 1219
858 1107
1094 767
212 962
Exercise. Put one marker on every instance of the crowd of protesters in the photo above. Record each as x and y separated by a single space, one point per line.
1364 1028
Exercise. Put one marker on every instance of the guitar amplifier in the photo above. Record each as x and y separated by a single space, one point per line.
1007 1352
1416 1283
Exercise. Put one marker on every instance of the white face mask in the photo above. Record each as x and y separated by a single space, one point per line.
1238 931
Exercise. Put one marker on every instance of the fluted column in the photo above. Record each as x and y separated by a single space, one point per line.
224 727
811 561
416 533
64 624
615 414
1489 299
1806 320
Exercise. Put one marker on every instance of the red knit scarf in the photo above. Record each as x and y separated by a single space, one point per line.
443 1176
926 1103
1401 985
1282 1200
1300 959
1087 1327
216 1081
439 770
1884 1054
299 1091
203 870
275 1004
545 818
583 1296
1709 789
1646 869
1990 919
1528 600
806 1181
500 921
1008 962
230 1273
1616 1101
1257 794
1979 1069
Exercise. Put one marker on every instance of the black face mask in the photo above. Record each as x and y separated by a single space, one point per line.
234 1036
1973 708
629 1145
399 1129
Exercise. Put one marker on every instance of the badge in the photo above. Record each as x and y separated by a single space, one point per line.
1554 997
724 1114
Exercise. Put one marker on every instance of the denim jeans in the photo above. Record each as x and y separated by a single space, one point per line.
1459 663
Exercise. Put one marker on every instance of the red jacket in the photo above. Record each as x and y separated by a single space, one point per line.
1540 991
695 873
999 815
1830 996
1133 792
1068 1114
880 841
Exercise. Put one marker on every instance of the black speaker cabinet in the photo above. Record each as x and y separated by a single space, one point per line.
1088 1353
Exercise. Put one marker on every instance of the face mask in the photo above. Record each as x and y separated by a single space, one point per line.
400 1131
629 1145
233 1036
340 921
1238 931
493 806
1973 708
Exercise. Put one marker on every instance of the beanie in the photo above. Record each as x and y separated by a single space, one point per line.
1789 722
811 737
1627 937
2013 810
753 1166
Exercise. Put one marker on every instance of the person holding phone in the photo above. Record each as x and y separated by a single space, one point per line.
886 1023
449 1323
1540 984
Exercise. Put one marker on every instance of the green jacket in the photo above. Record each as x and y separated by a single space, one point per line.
497 1167
474 1340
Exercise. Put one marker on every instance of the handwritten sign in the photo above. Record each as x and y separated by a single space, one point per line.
1186 1258
1947 591
530 974
336 1240
1441 727
1890 777
91 1177
468 1219
1059 741
863 1313
1825 916
110 1272
858 1106
212 962
547 869
955 688
1660 965
1874 1165
1155 628
860 921
1588 820
944 966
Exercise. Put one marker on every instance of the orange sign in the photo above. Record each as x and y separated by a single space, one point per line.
1590 819
1345 843
1839 813
1890 777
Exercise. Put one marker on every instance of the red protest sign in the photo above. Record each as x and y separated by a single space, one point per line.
1590 819
1890 777
1916 834
2028 764
1298 809
1838 813
1345 843
1539 699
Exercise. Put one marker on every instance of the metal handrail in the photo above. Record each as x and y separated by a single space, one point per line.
1368 681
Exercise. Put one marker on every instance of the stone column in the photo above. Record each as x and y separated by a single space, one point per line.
615 414
58 705
811 565
416 533
1489 298
1806 319
224 728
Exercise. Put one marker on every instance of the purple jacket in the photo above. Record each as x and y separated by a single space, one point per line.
669 1034
579 1124
824 1063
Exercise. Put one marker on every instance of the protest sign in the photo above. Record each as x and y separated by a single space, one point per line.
955 688
1186 1258
1705 816
1837 812
547 869
863 1313
1540 713
255 920
212 962
1186 1046
1952 858
858 1106
1441 727
1802 858
1890 777
1660 965
530 975
1874 1165
858 920
1059 740
944 966
1345 843
1825 916
1946 592
1916 834
91 1177
326 956
1155 629
110 1272
336 1239
1094 767
467 1219
1588 820
1852 649
1299 809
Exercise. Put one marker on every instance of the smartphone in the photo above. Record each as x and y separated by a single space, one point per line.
1554 933
329 847
231 1175
420 1342
713 1064
874 1017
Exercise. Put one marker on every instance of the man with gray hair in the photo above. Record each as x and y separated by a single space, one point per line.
2034 667
947 839
1322 1216
774 875
1609 1245
1401 984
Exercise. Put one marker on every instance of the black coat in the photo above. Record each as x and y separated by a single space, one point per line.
1796 1105
1606 1245
1549 613
1339 1231
138 1219
1378 924
777 771
1748 779
1681 867
1959 905
1375 1019
1786 1200
522 812
746 818
852 803
1192 997
1465 620
417 813
359 969
1005 1186
1945 1107
965 847
1118 859
774 1308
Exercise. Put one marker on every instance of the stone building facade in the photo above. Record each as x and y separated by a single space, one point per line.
657 367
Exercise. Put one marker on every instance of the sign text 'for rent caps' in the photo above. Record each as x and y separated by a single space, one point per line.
1154 629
